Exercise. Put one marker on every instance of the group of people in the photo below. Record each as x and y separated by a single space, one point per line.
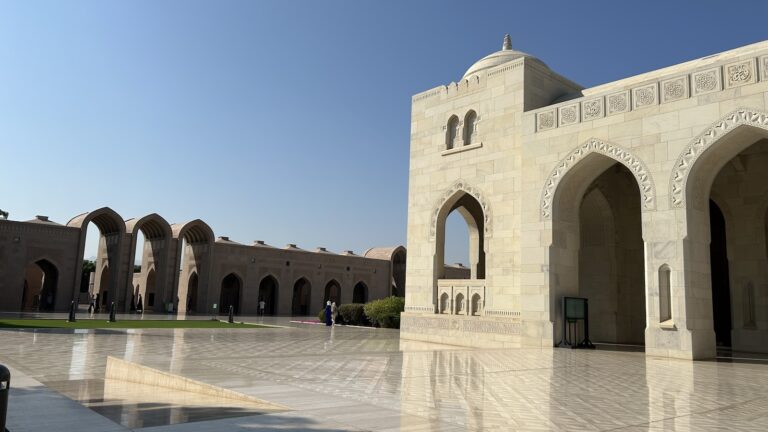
331 312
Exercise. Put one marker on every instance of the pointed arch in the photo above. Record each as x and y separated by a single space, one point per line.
742 118
231 291
619 154
195 231
445 203
269 289
302 294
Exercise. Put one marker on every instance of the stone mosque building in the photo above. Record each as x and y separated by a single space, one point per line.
185 269
648 196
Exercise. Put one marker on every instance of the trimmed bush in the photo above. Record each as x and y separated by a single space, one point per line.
321 315
353 314
385 312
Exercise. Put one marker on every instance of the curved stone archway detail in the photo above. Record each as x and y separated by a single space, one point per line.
457 187
615 152
691 153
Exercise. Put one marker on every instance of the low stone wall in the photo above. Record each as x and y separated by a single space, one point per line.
474 331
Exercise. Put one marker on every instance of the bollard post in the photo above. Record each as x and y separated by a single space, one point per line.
72 312
112 312
231 314
5 388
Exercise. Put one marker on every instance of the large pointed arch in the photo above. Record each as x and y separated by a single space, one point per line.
445 203
742 118
613 151
157 231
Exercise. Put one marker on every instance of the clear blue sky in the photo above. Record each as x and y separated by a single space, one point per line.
282 120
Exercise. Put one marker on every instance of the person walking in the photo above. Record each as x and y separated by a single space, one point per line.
334 312
139 304
262 306
328 321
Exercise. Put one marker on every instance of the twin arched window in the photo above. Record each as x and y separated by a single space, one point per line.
455 136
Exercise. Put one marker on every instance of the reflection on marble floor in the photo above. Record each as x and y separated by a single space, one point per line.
364 379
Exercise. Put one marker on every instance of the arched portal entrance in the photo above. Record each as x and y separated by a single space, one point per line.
332 292
597 249
192 293
193 243
230 294
40 285
302 291
268 289
151 302
360 293
150 252
726 199
471 211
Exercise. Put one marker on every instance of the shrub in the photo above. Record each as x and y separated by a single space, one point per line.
321 315
353 314
385 312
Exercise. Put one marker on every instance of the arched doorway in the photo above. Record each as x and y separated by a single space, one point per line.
149 252
302 291
398 272
597 249
230 294
193 242
150 295
268 289
102 291
192 293
461 206
40 285
332 293
360 293
721 284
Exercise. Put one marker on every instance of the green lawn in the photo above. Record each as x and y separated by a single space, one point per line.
124 324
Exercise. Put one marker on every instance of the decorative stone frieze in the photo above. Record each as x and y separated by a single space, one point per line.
624 156
764 67
706 81
646 95
593 109
545 120
425 324
568 114
675 89
617 102
740 73
461 185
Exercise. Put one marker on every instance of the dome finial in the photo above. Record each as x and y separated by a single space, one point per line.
507 43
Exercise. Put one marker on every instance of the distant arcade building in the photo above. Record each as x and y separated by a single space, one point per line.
184 269
648 196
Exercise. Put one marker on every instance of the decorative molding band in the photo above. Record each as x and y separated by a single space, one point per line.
664 90
420 309
691 153
502 313
427 324
620 154
506 68
461 185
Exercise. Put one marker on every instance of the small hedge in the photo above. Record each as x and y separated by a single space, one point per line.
385 312
353 314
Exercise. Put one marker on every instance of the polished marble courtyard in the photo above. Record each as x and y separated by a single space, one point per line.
346 378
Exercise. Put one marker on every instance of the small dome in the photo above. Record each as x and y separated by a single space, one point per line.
507 54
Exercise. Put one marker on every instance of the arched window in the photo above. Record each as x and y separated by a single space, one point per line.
460 304
470 127
452 132
444 303
665 294
476 304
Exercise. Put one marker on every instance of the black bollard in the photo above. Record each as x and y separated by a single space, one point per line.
71 312
231 314
112 312
5 388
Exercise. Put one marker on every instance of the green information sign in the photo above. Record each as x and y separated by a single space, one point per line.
575 308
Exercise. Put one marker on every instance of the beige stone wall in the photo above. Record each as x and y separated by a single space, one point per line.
535 163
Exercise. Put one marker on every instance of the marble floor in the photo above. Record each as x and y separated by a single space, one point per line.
346 378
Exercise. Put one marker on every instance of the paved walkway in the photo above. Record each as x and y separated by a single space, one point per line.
366 379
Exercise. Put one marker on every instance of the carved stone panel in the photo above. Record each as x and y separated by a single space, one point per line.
675 89
706 81
593 109
646 95
740 73
617 102
764 68
568 114
545 120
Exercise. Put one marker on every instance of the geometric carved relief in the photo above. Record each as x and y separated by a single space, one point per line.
674 89
423 324
618 102
568 114
545 120
764 67
592 109
461 185
593 145
740 73
707 81
645 96
691 153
